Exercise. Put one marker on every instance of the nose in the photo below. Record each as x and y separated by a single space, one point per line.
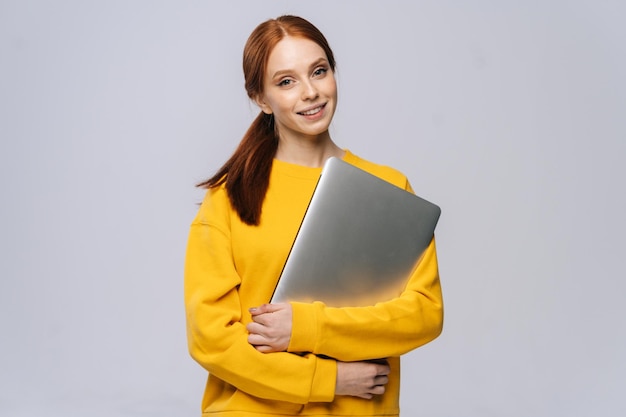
309 92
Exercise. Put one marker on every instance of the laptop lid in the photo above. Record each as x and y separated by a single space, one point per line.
359 241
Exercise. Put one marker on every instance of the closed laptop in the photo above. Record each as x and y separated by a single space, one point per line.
359 241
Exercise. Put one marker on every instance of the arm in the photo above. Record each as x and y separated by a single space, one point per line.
386 329
270 332
217 337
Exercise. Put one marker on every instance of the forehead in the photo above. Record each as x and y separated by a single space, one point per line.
293 53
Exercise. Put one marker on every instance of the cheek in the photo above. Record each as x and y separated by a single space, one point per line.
331 87
285 102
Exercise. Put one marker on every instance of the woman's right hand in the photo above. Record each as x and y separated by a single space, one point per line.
361 379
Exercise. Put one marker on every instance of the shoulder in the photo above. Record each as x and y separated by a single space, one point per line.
383 172
215 206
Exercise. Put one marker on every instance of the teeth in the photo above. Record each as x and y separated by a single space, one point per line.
311 112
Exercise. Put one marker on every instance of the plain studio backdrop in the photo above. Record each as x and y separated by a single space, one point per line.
508 114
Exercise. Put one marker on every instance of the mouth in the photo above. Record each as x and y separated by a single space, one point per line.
313 110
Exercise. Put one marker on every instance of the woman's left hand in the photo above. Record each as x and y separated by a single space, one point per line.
270 329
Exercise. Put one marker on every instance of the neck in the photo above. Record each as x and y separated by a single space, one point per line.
311 152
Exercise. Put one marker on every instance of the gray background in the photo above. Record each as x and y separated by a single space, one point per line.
509 114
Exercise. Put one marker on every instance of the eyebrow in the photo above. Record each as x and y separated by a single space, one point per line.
314 64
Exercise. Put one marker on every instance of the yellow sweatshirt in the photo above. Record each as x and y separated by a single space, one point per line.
231 266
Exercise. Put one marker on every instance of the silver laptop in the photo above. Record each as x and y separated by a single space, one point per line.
359 241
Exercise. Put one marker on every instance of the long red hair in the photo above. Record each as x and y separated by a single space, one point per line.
246 174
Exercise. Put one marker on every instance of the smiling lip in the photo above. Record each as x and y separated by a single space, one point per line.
312 111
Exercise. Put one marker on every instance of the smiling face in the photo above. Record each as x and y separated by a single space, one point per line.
299 90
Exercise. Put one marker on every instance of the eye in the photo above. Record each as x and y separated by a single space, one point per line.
285 82
320 71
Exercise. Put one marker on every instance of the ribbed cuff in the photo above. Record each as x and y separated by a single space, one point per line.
324 380
303 329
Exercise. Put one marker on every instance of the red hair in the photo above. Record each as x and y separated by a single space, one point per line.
246 174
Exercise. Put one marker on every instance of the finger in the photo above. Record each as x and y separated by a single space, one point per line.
262 309
255 328
257 340
268 308
382 369
266 320
260 319
378 390
262 345
381 380
265 349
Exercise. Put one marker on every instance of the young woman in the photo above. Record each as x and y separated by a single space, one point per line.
291 358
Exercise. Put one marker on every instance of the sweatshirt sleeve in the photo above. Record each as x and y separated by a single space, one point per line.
217 338
386 329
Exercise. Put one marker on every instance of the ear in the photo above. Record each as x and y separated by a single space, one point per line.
265 108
